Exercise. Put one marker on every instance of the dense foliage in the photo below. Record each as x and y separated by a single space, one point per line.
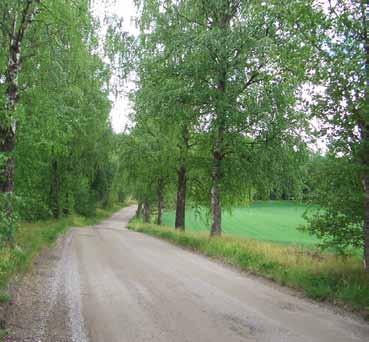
63 159
340 104
237 85
226 94
334 184
216 76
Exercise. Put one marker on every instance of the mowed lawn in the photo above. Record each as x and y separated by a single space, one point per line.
275 221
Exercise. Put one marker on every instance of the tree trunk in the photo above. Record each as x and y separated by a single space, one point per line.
146 211
222 22
55 189
216 207
139 209
7 221
7 146
160 198
8 137
8 124
364 126
182 180
159 219
366 221
181 198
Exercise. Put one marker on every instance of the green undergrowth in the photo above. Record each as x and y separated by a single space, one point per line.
32 237
321 276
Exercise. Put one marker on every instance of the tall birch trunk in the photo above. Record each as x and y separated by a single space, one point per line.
364 126
182 181
160 199
20 24
365 181
146 211
222 22
181 198
55 189
216 206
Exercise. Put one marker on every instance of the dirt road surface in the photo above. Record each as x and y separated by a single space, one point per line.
108 284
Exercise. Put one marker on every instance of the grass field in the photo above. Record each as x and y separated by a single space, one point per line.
275 221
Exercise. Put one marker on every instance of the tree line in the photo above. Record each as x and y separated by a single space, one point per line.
230 97
58 151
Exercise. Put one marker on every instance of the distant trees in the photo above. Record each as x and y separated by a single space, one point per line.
147 167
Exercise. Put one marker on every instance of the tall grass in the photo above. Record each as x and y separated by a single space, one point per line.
321 276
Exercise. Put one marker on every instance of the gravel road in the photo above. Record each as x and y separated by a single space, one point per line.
108 284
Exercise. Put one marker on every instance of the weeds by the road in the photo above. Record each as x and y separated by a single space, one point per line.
321 276
31 238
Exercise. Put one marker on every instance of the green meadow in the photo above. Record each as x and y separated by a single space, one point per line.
275 221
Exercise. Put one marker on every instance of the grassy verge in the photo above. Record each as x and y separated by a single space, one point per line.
321 276
31 238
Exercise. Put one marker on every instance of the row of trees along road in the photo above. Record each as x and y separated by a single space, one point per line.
219 118
216 91
56 144
220 113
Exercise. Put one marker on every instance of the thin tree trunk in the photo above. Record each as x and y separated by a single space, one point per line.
366 221
160 198
364 126
146 211
222 22
159 219
182 181
139 209
181 198
55 189
216 207
7 146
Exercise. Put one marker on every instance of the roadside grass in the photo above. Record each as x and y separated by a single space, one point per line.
32 237
275 221
320 276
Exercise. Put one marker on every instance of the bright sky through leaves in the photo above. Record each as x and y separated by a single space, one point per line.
125 9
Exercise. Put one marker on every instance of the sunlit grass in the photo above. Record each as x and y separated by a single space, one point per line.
275 221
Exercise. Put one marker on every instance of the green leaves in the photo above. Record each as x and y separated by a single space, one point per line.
63 113
228 71
8 220
336 187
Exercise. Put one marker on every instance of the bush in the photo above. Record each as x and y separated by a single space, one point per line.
32 207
